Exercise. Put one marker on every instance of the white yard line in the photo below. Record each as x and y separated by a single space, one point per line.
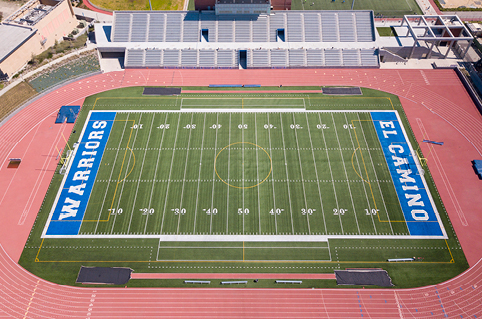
376 176
242 160
316 172
331 173
199 175
257 172
229 164
170 171
185 171
301 171
214 174
287 177
140 175
124 179
155 172
360 171
346 175
111 172
272 178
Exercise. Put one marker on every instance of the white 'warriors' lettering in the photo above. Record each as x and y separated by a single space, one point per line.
70 208
99 124
77 189
81 176
96 135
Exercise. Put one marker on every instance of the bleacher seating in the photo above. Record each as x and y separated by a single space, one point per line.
295 27
207 58
298 27
153 58
173 27
135 57
260 58
242 30
312 27
260 29
278 58
190 30
139 27
369 57
189 58
121 27
346 25
297 58
333 57
314 57
225 58
329 27
156 27
171 58
225 28
351 57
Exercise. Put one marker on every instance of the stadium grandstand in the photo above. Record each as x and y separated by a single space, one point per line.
292 39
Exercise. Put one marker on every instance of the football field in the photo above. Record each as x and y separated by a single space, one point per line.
241 174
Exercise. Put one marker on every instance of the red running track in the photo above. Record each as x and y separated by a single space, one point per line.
437 107
25 296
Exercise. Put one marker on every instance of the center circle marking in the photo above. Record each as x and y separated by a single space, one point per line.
243 187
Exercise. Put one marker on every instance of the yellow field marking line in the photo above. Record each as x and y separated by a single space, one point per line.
353 165
451 256
38 252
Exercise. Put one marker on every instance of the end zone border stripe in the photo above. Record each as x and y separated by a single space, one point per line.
71 202
421 215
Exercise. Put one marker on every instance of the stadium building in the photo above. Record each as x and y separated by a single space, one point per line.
281 39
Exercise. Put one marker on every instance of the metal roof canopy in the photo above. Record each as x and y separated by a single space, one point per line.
436 29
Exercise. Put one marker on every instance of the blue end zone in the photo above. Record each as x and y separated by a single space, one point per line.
415 201
72 201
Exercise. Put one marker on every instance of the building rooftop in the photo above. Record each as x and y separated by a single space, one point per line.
13 36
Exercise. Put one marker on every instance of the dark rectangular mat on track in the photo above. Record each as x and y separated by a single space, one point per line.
342 91
161 91
378 277
67 113
104 275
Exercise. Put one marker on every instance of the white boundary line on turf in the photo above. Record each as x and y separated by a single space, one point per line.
249 237
298 110
231 238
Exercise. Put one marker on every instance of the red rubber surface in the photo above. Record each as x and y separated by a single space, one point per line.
437 107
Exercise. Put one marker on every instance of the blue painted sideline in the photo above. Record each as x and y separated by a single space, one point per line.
418 209
76 188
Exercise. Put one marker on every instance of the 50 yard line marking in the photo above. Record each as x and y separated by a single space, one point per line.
229 164
257 172
242 161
